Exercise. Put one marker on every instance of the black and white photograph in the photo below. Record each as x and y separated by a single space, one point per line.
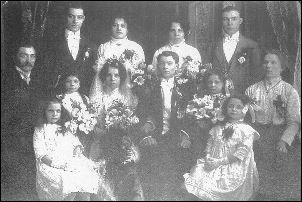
150 100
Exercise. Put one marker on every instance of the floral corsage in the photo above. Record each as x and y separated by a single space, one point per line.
87 54
280 106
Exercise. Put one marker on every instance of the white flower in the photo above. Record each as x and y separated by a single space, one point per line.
182 80
139 80
87 54
75 112
241 60
245 109
139 71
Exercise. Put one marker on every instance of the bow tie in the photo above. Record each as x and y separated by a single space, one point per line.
73 36
167 84
230 39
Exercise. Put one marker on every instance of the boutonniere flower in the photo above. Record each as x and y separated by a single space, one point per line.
87 54
242 57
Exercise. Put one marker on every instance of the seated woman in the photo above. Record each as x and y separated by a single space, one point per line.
110 87
278 119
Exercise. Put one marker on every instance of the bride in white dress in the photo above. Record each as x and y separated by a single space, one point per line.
111 83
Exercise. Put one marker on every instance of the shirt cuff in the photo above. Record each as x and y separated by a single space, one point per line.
184 132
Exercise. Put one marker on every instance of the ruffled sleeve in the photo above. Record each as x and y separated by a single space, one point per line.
39 143
293 116
246 135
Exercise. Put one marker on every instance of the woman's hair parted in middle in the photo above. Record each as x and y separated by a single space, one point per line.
114 64
43 105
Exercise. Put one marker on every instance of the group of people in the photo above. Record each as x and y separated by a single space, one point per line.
215 157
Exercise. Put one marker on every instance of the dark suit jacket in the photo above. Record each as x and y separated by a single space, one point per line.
18 107
58 63
154 106
245 74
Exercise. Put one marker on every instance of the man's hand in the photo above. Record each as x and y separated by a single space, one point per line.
281 146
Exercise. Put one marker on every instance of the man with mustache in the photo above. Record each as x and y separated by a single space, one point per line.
68 52
20 94
235 54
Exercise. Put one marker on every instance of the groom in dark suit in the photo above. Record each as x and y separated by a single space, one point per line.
237 56
71 51
165 108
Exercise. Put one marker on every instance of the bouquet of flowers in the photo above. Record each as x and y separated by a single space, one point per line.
120 116
130 59
190 67
138 75
84 118
208 107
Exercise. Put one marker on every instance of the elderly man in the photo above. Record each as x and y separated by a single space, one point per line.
21 91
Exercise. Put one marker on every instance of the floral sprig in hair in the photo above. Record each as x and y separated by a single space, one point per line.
113 61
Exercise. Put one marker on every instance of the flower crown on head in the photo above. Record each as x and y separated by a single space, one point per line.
113 61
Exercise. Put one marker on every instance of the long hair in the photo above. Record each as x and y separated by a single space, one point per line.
42 107
227 133
206 77
124 87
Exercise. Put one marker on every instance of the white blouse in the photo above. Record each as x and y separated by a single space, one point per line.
115 47
265 111
182 49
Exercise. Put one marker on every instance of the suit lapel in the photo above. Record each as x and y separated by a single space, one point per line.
66 55
238 49
81 48
220 53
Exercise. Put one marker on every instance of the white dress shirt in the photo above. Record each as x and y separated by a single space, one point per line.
115 47
229 45
166 86
182 49
24 76
73 41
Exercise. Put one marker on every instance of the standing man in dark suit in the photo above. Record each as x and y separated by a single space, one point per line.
71 51
20 95
236 55
165 110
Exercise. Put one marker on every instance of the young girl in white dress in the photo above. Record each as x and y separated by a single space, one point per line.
71 97
62 170
228 172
